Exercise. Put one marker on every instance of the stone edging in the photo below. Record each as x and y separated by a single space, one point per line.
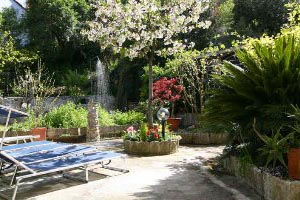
203 138
55 133
151 148
105 131
268 186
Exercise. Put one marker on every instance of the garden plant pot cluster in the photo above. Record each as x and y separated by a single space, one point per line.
151 148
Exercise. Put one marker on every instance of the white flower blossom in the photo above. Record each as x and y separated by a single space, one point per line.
144 23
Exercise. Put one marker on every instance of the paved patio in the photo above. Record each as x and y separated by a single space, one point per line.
178 176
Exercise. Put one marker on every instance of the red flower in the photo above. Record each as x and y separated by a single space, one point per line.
148 133
167 90
155 135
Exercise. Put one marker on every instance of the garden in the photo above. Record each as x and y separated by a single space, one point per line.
158 74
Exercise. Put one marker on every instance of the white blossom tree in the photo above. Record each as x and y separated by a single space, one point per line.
146 28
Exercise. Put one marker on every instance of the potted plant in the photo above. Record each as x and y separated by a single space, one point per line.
294 153
294 143
168 91
149 141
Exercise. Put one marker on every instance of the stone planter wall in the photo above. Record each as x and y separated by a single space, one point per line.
268 186
55 133
105 131
15 133
203 138
151 148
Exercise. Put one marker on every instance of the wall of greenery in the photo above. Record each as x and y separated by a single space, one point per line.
70 115
259 98
54 36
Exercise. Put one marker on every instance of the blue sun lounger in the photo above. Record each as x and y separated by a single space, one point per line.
45 157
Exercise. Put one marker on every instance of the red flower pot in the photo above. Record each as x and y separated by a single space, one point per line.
41 131
174 123
294 163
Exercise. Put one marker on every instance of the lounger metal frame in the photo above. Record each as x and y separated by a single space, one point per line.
86 166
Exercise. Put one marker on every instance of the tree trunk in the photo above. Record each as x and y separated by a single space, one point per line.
150 109
173 107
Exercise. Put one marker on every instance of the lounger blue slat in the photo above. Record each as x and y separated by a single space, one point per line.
27 145
36 149
78 149
56 164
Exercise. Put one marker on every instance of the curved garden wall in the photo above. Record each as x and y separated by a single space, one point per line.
268 186
198 138
151 148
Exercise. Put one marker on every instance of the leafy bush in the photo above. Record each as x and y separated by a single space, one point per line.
264 87
130 117
143 132
30 122
66 116
274 147
76 84
105 118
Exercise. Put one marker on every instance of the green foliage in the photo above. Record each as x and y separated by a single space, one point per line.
264 87
10 55
148 135
76 84
30 122
274 148
206 127
143 131
54 29
294 117
120 118
53 23
190 73
131 137
105 118
129 117
10 23
259 16
224 18
66 116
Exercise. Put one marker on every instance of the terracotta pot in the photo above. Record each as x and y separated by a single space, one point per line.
294 163
40 131
174 123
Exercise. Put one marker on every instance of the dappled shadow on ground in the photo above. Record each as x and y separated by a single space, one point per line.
51 183
188 181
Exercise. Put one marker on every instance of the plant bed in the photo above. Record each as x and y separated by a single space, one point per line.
263 181
150 142
151 148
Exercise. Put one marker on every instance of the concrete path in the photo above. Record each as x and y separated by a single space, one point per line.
181 176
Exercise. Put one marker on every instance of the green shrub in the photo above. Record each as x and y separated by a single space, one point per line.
130 117
143 132
104 117
30 122
264 87
274 148
66 116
